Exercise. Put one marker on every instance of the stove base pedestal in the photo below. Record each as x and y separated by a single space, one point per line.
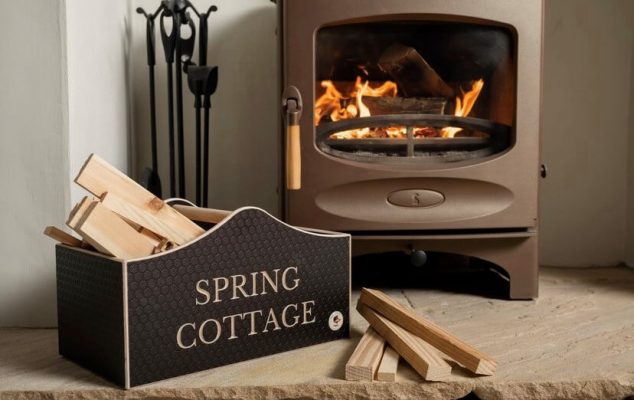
515 253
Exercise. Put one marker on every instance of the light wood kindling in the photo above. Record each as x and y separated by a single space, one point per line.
210 215
366 357
110 234
388 366
141 220
131 200
62 237
421 356
78 211
157 240
468 356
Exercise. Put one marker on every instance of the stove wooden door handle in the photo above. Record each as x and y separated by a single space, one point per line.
292 106
293 158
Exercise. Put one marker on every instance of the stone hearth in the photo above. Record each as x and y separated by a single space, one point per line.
576 341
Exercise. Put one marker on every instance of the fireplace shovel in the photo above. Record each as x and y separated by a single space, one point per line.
202 82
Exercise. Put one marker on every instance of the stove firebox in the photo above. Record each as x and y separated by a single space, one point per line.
420 126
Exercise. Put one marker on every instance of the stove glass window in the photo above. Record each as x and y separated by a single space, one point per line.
415 92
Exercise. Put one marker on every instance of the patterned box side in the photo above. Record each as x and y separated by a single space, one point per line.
162 296
90 312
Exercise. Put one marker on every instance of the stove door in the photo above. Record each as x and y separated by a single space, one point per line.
416 92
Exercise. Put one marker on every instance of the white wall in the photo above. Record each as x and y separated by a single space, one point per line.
64 95
586 112
630 199
244 136
97 43
33 158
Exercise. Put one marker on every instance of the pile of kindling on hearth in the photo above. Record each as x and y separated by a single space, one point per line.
423 344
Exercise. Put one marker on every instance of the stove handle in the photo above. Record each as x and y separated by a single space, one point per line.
292 108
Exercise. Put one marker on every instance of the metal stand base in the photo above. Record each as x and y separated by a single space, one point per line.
515 253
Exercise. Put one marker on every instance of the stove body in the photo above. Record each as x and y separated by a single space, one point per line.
388 171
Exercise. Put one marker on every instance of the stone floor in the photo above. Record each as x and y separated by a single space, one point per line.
575 342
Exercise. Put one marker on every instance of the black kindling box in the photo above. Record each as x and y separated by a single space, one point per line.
249 287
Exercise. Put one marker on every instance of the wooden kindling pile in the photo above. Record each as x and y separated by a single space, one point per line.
121 218
398 332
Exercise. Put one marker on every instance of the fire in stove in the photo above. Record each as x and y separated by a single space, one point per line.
334 106
414 113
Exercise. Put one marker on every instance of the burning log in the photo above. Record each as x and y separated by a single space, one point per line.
405 105
414 76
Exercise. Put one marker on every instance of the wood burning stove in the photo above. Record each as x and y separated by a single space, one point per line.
420 125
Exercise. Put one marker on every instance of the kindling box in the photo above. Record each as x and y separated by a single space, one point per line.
250 286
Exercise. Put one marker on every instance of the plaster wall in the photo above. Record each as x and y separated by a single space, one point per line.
629 245
586 115
33 158
98 119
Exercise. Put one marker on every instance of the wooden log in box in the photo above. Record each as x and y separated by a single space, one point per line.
130 200
61 236
78 211
109 234
145 319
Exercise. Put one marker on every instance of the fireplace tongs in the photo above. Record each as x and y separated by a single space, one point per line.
292 109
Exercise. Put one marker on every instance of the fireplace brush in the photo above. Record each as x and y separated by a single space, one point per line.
202 81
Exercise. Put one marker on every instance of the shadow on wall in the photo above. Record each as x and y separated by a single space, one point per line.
244 136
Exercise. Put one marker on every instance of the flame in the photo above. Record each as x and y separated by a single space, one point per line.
464 106
337 106
328 103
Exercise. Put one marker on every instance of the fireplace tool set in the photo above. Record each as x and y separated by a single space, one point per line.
178 37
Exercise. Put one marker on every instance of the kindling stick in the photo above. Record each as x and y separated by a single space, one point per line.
366 357
420 355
